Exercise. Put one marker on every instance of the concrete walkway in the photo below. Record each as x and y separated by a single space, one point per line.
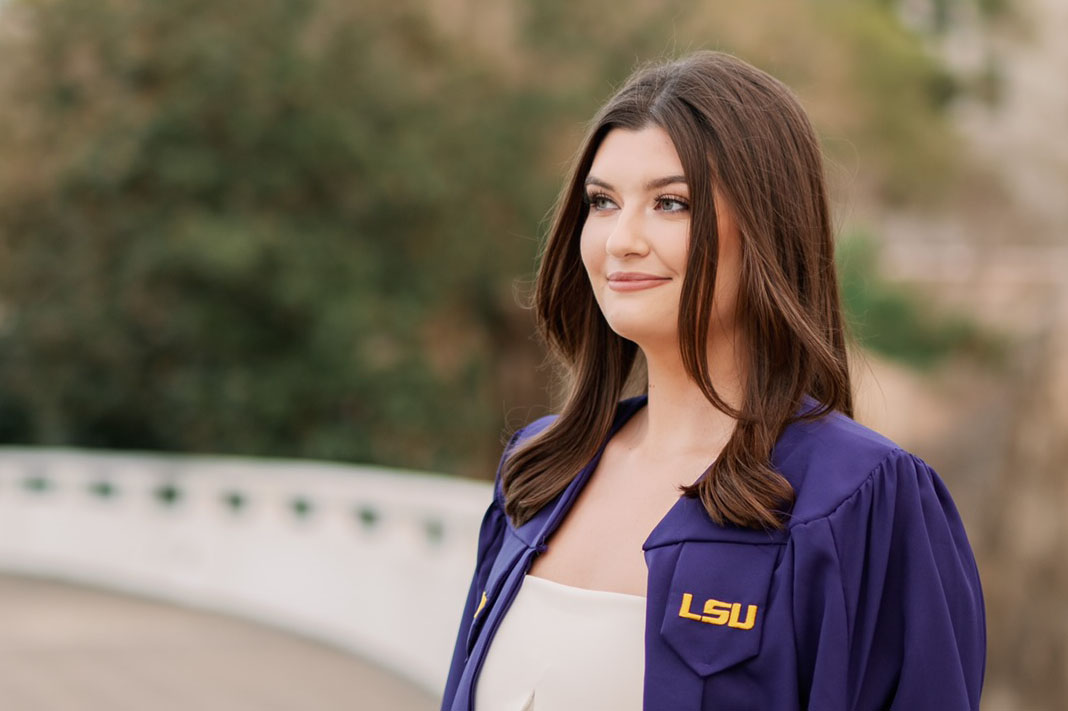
66 648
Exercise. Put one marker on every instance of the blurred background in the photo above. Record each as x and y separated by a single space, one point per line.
239 240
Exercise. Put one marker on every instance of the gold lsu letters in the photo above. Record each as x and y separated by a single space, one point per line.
720 613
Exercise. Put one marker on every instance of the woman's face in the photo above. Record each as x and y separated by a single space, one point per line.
636 238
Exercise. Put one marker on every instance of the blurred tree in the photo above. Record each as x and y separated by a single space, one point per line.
292 227
258 227
896 322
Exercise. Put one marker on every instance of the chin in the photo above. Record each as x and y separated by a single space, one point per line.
645 334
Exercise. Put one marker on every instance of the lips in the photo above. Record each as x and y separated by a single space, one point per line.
633 276
634 281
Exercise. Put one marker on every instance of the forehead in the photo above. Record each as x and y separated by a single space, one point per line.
629 157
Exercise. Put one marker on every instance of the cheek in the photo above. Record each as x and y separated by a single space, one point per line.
591 250
677 252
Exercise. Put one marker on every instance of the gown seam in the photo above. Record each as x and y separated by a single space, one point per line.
881 464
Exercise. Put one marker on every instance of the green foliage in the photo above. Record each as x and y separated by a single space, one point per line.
292 227
895 321
250 227
902 93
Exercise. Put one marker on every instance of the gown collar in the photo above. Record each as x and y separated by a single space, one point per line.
686 520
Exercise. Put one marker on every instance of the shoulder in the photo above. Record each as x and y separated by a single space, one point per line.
532 429
833 459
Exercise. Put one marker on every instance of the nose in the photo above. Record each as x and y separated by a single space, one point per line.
626 237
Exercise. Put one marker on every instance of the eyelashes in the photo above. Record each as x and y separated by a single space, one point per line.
683 205
592 200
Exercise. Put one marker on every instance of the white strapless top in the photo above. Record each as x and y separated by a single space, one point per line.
562 648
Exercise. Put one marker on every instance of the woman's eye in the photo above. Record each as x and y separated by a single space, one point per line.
670 204
599 201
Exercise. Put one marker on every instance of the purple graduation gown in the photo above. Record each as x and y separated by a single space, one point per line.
868 599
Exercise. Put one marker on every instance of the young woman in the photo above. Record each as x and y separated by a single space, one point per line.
729 538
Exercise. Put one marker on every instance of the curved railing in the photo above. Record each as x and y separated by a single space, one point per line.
376 561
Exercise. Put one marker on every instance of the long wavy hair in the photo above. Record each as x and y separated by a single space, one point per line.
739 129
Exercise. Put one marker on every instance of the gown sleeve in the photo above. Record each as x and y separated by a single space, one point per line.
490 535
888 609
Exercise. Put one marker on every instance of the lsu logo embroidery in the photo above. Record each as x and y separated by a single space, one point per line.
720 613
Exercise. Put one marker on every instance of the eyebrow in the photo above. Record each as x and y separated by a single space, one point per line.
651 185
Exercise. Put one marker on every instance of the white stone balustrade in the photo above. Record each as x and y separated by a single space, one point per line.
375 561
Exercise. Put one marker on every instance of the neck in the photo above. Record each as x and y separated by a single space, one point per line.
678 419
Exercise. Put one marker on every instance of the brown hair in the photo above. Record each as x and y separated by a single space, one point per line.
743 131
